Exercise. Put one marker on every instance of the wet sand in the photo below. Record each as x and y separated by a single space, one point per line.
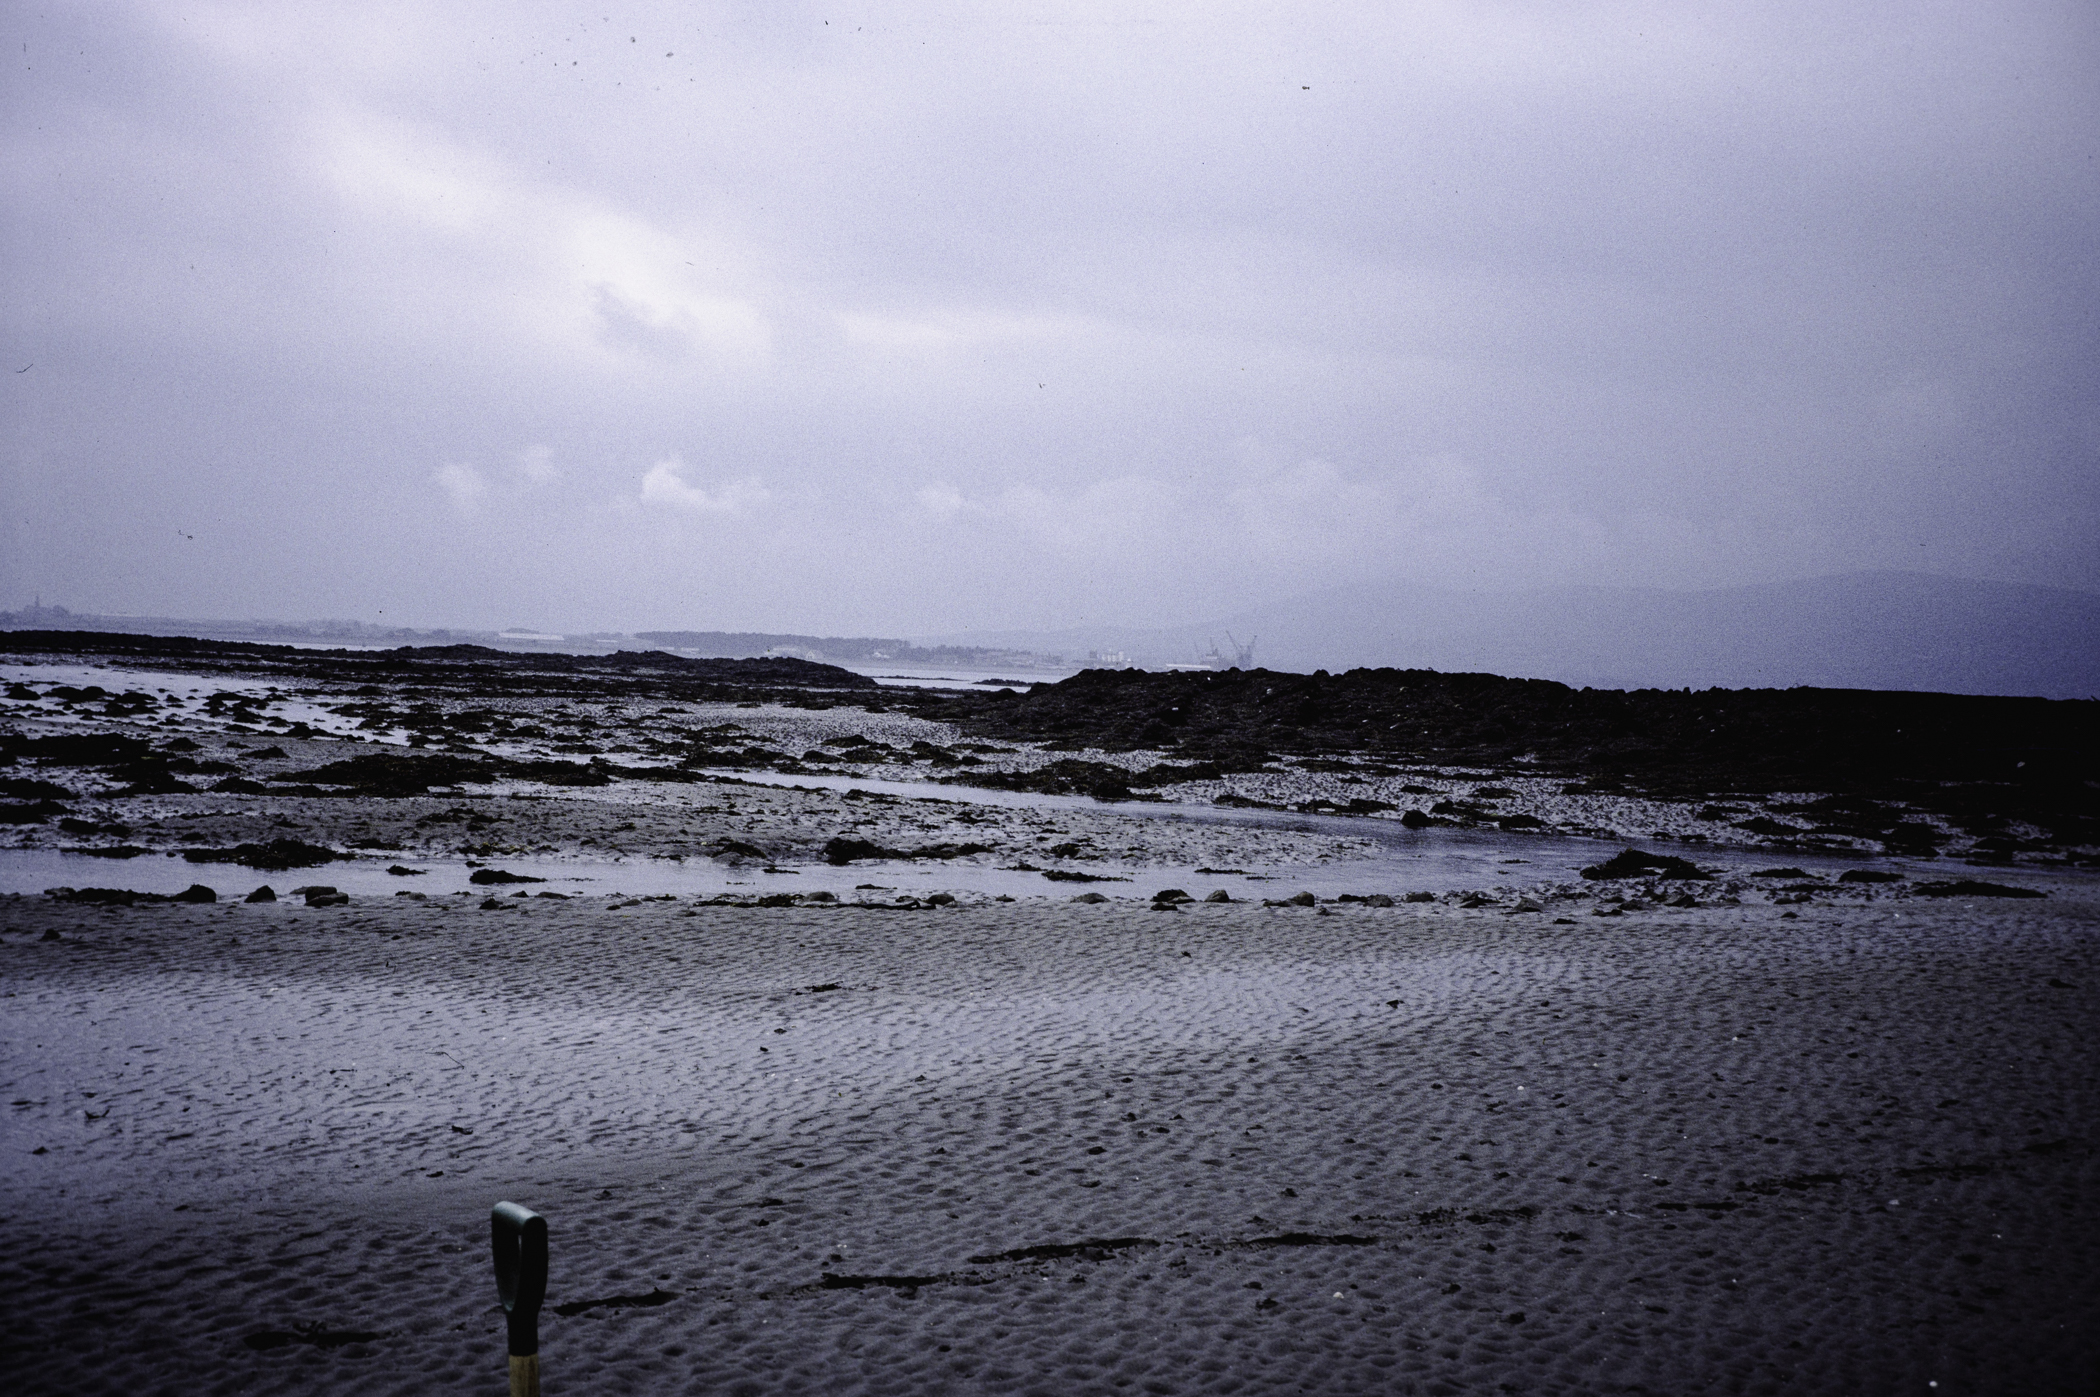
1043 1147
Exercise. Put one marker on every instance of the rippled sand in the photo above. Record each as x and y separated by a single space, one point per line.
1839 1147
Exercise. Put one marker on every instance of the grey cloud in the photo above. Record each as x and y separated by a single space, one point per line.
954 317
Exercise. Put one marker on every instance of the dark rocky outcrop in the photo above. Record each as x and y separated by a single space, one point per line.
125 897
1976 762
276 854
1969 887
841 850
1632 863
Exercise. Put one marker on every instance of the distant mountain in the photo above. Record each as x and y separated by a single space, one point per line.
842 650
354 633
1877 630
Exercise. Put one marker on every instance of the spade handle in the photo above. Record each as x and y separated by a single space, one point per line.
518 1236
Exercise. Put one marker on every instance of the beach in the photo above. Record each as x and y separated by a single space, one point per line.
1055 1147
854 1039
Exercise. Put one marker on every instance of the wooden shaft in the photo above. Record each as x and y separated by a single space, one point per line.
525 1375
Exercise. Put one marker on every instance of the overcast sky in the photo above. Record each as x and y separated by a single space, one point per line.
921 317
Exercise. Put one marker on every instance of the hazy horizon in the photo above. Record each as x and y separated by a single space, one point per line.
37 599
937 319
1869 630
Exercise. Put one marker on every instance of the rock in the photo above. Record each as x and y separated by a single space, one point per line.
485 876
1301 899
29 788
1419 897
1327 806
1171 895
100 897
1090 897
1066 776
1969 887
1417 819
1379 900
386 774
941 900
1869 875
195 892
840 851
1913 837
265 893
1220 895
1632 863
276 854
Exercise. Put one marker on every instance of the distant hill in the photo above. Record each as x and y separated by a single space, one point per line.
838 649
731 645
352 633
1878 630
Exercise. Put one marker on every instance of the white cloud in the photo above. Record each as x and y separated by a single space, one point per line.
664 484
536 464
570 269
464 484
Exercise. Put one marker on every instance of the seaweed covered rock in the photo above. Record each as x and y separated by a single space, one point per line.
1632 863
